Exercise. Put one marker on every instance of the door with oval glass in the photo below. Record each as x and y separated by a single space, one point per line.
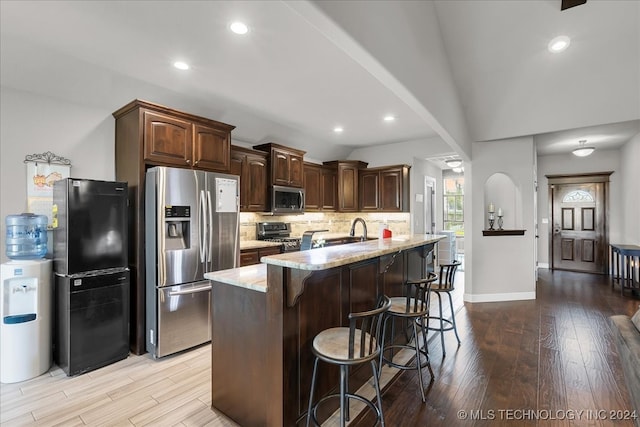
578 217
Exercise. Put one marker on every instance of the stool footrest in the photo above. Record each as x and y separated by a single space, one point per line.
434 328
362 399
406 347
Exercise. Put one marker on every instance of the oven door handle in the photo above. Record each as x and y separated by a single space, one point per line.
190 291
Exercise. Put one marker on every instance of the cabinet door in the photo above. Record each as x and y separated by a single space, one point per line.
312 188
391 190
167 140
256 198
296 169
329 189
347 188
271 250
369 191
211 148
280 167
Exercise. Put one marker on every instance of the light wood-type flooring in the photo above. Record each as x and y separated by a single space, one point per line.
554 355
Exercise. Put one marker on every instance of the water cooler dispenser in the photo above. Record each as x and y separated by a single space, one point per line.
25 325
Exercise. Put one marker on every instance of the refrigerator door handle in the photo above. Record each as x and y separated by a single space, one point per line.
190 291
210 228
202 221
162 267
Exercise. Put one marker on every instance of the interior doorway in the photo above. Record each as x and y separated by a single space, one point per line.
579 232
429 205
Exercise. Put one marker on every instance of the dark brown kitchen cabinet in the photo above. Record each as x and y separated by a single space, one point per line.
286 165
321 188
251 167
384 189
149 135
347 182
252 256
184 142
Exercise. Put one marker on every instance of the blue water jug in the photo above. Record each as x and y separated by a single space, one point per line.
26 236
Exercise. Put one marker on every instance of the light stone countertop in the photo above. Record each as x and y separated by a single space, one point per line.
251 277
255 244
255 276
336 256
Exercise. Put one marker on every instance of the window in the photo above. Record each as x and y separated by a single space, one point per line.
453 203
578 196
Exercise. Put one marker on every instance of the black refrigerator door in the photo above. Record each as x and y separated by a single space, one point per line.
93 219
92 321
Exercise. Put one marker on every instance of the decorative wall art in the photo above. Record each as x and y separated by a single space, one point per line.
42 171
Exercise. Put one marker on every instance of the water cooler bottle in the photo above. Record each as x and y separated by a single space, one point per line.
26 302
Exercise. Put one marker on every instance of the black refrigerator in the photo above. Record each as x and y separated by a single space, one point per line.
91 275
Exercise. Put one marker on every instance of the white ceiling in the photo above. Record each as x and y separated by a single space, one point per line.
286 82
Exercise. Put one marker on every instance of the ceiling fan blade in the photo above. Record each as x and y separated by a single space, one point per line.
566 4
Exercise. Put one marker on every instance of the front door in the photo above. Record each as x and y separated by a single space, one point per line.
579 231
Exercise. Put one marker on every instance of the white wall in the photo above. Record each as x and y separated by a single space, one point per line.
599 161
502 267
630 200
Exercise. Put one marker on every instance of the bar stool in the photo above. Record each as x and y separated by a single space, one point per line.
348 346
412 307
444 286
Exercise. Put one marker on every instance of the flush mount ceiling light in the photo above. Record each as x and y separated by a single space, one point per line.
239 28
389 118
338 129
454 163
583 151
558 44
181 65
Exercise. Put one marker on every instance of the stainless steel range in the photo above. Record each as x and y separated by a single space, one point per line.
278 232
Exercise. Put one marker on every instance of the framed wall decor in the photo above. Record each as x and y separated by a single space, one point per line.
42 171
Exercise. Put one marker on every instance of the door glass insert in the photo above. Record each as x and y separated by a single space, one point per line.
577 196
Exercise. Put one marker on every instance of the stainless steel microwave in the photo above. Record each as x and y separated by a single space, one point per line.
287 200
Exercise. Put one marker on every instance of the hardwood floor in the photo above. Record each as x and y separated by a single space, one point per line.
549 358
554 355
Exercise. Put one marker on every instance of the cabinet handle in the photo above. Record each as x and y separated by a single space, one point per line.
188 161
196 163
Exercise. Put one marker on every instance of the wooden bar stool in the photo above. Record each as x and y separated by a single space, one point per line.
348 346
444 286
411 308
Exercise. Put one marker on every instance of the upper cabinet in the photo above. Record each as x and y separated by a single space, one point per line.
174 138
321 188
286 164
384 189
347 182
252 167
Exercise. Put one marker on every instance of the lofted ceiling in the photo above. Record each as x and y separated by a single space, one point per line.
286 81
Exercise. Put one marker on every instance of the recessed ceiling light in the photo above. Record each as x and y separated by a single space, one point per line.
181 65
454 163
558 44
338 129
389 118
239 28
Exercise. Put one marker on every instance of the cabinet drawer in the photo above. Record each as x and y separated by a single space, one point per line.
249 257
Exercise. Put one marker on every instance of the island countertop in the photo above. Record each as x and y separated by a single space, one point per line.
336 256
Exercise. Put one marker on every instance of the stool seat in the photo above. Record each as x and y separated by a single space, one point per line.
332 345
346 346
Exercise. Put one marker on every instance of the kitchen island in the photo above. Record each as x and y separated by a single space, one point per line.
264 318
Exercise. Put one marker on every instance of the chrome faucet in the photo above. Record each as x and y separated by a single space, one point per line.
364 229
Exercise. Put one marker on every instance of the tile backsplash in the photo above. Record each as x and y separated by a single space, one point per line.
335 222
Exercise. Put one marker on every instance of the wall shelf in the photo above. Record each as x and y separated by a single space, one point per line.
503 232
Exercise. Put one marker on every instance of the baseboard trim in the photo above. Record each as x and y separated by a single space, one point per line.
516 296
543 265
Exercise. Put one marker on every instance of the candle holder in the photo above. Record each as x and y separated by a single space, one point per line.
492 220
499 222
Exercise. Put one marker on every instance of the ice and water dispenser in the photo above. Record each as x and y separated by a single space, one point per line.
25 300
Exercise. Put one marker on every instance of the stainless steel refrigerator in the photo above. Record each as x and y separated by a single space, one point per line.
192 227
